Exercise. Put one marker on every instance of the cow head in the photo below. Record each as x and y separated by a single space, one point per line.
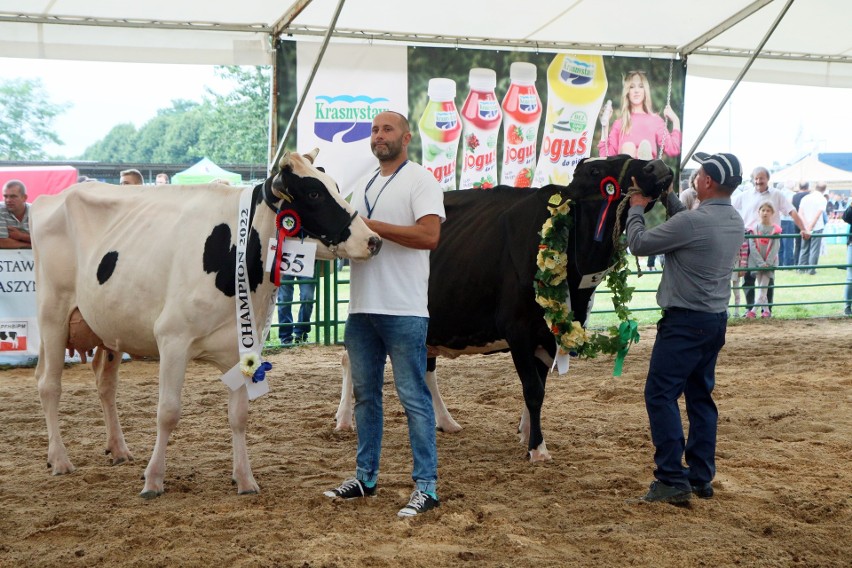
324 214
597 189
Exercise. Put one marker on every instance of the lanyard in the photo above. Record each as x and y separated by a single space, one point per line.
370 184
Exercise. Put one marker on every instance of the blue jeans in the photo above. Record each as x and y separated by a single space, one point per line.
285 311
683 361
370 338
788 244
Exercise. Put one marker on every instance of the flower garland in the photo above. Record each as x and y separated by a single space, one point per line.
551 292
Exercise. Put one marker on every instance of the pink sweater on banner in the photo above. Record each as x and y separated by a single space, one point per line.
647 134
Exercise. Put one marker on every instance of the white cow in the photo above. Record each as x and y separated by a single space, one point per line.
150 271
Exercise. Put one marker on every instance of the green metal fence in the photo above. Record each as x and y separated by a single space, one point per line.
797 295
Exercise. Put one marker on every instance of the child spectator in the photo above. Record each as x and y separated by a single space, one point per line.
763 253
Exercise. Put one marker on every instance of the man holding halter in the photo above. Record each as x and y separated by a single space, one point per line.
699 246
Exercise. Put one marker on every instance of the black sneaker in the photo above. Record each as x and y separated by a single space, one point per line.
420 502
351 489
702 490
659 492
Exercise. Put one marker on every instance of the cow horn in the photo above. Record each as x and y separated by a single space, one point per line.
312 155
284 161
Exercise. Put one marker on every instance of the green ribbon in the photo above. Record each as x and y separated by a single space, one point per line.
628 332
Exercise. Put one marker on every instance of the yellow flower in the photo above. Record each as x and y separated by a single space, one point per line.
249 363
546 227
577 336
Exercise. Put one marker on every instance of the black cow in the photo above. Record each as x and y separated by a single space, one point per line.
481 296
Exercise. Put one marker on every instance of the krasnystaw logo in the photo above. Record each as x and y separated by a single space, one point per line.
350 115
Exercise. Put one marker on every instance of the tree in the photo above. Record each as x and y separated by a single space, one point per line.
117 146
26 119
226 128
239 127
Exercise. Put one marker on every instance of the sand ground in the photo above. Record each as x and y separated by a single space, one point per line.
783 487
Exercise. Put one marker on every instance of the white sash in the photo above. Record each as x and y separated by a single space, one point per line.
247 340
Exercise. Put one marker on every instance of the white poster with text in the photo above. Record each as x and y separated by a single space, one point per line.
19 338
353 84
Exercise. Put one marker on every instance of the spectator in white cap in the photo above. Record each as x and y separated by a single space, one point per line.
699 246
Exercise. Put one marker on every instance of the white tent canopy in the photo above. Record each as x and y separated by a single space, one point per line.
811 45
810 169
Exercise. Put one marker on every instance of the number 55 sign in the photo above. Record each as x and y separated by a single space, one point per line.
297 257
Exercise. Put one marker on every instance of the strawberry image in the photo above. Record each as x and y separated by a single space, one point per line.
472 142
484 183
524 178
515 135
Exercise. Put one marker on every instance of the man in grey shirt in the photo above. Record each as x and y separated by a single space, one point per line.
700 246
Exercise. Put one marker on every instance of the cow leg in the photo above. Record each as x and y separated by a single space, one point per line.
533 374
345 415
105 365
51 360
443 420
524 426
172 374
238 404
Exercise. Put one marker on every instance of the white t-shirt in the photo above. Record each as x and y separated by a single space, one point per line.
396 281
812 204
748 202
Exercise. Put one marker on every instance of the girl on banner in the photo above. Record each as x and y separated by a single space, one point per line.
639 132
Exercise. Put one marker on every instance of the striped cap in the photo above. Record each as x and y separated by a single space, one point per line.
724 169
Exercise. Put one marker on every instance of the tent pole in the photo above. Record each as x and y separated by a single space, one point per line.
685 158
273 167
272 127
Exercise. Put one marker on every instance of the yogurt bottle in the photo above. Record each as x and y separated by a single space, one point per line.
521 118
576 86
481 117
440 129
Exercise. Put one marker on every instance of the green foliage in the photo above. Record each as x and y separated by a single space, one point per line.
228 128
26 119
238 127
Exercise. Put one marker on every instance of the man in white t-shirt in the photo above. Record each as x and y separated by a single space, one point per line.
812 211
388 311
747 203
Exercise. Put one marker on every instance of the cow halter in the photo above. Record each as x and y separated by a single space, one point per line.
338 234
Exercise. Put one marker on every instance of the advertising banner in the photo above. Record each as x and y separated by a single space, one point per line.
19 338
482 117
353 85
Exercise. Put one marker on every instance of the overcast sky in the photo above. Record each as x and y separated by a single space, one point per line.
762 124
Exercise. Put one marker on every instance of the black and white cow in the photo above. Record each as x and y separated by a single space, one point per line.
150 271
481 296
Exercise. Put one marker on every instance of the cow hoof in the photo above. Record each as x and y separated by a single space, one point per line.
451 427
249 492
61 468
344 426
150 494
540 454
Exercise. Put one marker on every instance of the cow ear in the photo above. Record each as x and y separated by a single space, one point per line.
312 155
